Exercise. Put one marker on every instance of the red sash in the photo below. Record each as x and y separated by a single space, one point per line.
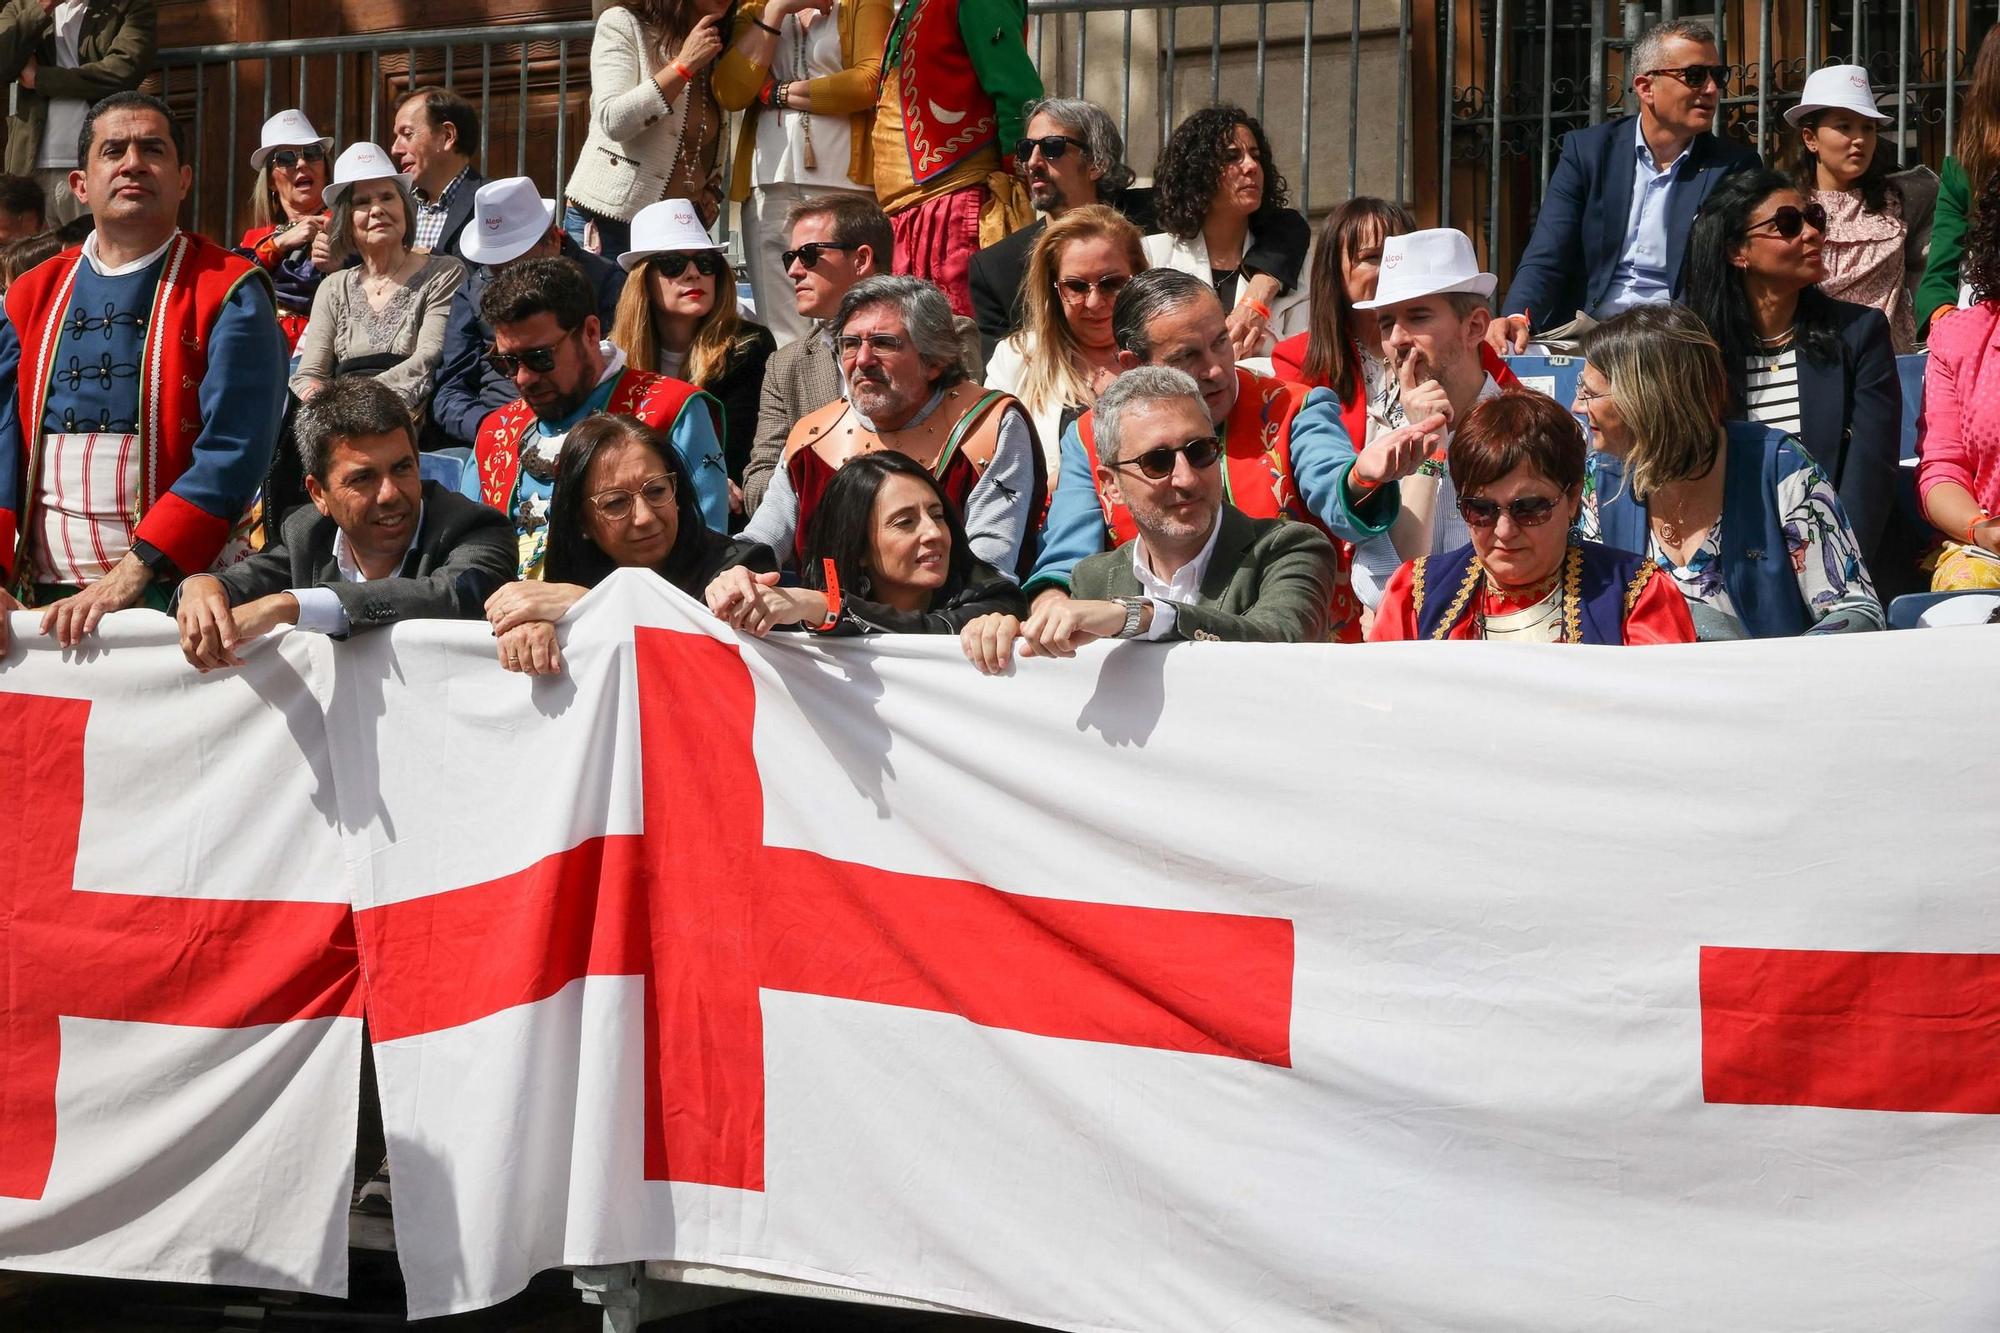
655 399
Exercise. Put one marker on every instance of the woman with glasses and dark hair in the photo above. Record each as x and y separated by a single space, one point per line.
1797 360
677 315
288 215
1064 354
885 552
1740 517
1517 468
1218 195
622 500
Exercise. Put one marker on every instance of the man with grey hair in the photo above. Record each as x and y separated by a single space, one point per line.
1624 195
1197 568
906 390
1072 155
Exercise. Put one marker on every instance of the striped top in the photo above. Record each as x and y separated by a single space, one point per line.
1771 385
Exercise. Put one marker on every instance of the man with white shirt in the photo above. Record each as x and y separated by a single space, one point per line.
1433 306
377 545
64 55
142 382
1198 568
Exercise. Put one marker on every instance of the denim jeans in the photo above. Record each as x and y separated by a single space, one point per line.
614 238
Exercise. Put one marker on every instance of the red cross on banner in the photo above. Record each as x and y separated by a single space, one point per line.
709 916
130 957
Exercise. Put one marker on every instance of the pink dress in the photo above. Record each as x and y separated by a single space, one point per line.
1865 260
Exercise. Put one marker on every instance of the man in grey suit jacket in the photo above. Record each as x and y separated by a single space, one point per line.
1198 569
377 545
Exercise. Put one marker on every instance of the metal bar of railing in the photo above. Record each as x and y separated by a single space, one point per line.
1764 81
1813 23
1353 93
301 63
1402 94
1902 82
1600 71
1548 88
1125 99
1494 97
267 81
1305 112
339 126
485 99
229 173
375 96
1263 46
521 117
1950 76
1082 27
1173 75
450 53
364 43
1215 58
1857 37
562 120
199 174
1447 72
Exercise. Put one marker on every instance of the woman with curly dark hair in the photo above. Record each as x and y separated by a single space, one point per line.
1798 360
1222 205
1958 439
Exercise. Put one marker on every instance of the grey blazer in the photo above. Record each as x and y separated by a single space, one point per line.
1269 580
464 551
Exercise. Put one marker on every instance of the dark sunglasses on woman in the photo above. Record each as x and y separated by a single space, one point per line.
706 262
1788 221
1530 511
1158 464
290 157
1079 289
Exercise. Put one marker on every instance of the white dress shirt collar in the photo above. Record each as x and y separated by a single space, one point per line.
102 270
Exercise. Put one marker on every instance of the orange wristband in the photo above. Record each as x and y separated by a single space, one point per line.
687 75
832 596
1973 527
1361 484
1259 307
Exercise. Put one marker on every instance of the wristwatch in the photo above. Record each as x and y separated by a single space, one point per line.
1135 608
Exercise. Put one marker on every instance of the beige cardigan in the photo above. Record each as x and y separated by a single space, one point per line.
635 133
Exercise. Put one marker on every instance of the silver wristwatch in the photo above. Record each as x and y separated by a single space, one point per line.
1135 608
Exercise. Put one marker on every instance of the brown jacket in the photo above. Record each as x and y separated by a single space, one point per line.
114 52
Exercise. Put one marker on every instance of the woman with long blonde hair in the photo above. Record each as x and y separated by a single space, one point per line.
678 316
1064 354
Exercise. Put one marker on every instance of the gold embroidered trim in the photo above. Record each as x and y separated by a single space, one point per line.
1638 584
1417 583
1474 573
1573 595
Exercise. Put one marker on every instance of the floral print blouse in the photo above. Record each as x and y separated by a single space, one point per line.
1864 255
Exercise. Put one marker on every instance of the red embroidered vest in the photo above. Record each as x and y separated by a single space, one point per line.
947 114
196 280
655 399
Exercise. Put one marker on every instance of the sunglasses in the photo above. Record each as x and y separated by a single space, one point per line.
808 255
1053 146
1697 77
1789 221
541 360
1530 511
291 157
671 266
1077 290
1158 464
657 492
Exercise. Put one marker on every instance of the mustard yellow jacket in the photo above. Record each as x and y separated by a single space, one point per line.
864 32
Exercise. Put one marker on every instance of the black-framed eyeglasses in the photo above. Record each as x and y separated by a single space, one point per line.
541 360
1077 290
883 344
1158 464
291 157
1053 146
1788 220
808 255
674 263
616 505
1696 77
1529 511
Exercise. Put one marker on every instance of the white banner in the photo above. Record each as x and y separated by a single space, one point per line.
1406 986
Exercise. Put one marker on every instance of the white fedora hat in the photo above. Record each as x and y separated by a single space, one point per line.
508 217
1837 88
671 224
287 129
1428 263
361 162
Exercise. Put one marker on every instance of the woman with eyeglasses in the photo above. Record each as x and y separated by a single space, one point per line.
1517 468
1797 359
1218 196
806 75
1064 354
622 500
885 552
1741 518
677 315
288 216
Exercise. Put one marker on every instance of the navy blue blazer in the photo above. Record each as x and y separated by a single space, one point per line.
1851 422
1587 208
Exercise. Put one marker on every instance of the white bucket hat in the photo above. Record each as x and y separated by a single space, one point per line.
508 217
361 162
1837 88
287 129
1428 263
671 224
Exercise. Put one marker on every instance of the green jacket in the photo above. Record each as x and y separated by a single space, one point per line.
1269 580
1940 284
114 52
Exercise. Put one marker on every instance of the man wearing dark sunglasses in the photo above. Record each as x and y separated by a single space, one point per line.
511 223
1614 220
545 340
1195 568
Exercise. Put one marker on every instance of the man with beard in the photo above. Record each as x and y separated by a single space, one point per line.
907 391
543 313
378 544
1196 568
